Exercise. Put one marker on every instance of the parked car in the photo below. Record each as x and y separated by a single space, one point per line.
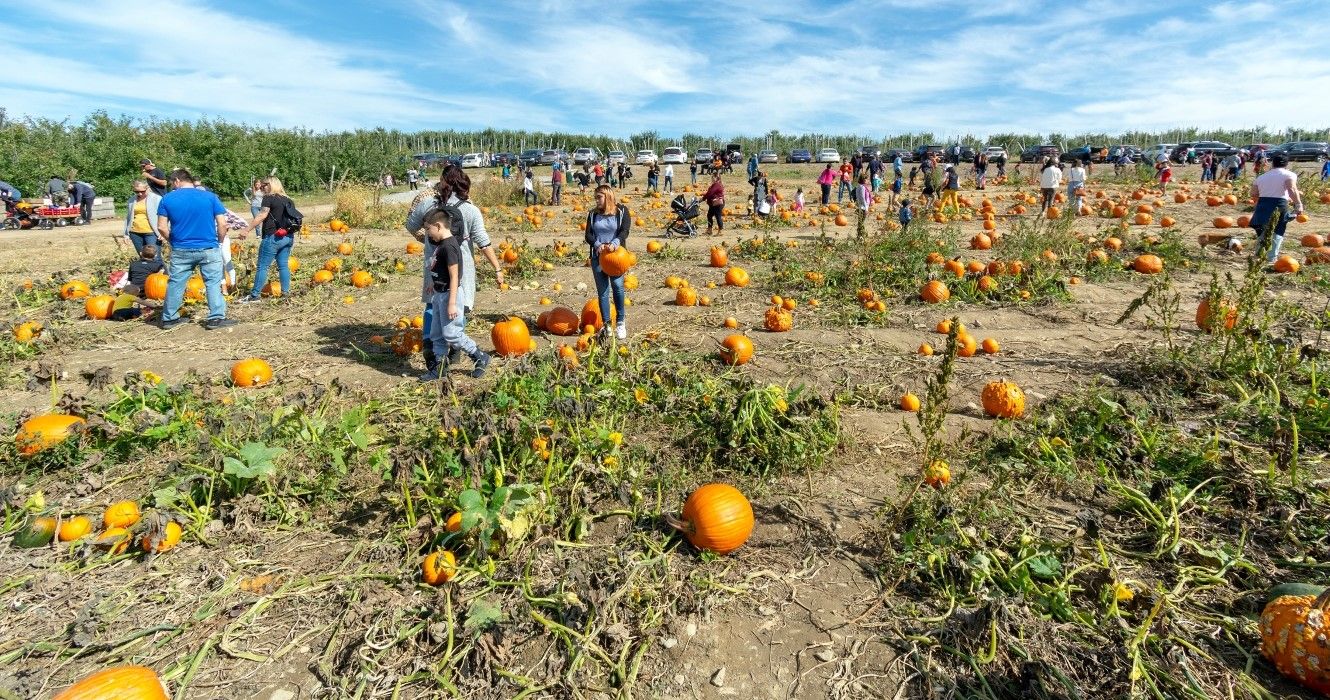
800 155
828 155
550 155
703 155
645 156
615 157
429 159
995 153
905 154
1218 149
585 154
531 156
1133 152
1033 154
501 158
473 160
869 152
734 152
674 154
1184 152
454 159
967 154
1315 151
1250 148
1153 153
768 156
1078 154
923 152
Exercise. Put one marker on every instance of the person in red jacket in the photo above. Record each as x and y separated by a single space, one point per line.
715 198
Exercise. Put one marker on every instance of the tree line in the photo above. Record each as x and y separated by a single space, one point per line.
105 151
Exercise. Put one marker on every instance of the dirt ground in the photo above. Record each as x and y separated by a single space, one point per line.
804 625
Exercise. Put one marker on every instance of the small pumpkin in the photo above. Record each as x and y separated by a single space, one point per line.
981 241
121 514
685 296
909 402
38 532
74 289
40 432
332 264
119 683
966 345
736 277
511 337
719 258
990 346
937 474
1003 399
778 320
195 289
1203 319
439 567
345 248
74 528
251 371
1148 264
162 540
361 279
736 349
717 518
414 248
115 539
934 292
1294 629
293 264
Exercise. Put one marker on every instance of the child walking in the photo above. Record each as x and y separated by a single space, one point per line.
799 199
1165 174
528 188
449 328
905 215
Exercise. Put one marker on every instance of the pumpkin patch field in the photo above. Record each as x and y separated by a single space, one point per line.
997 454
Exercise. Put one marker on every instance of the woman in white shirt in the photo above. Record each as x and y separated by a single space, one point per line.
1049 180
1273 191
1076 178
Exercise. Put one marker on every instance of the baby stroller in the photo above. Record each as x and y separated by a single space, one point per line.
19 215
685 210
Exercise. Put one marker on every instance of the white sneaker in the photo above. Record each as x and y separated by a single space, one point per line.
621 331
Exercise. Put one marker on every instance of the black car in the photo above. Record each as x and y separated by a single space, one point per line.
428 159
1218 149
503 159
531 156
1184 152
1077 155
923 152
800 155
1033 154
967 154
869 152
905 154
1315 151
454 158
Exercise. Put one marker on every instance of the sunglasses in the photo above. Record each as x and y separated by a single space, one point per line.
140 191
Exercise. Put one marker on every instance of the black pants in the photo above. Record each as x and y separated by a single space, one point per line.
826 195
716 212
85 209
555 189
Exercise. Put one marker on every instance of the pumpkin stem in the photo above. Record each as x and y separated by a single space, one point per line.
681 525
1322 601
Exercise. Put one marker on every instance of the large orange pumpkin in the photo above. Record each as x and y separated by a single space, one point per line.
155 286
561 321
736 277
1203 320
40 432
251 372
935 292
1003 399
1224 222
719 258
1148 264
616 262
685 296
716 518
361 279
119 683
74 289
736 349
591 315
511 338
1294 630
99 307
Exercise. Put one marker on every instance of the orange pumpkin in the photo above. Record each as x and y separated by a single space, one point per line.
1203 320
1224 222
719 258
778 320
730 322
562 321
293 263
909 402
40 432
1148 264
717 518
415 248
981 241
321 277
74 289
966 345
252 371
119 683
736 277
121 514
1286 264
591 315
616 262
685 296
1293 637
654 247
841 220
736 349
99 307
344 248
195 289
439 567
1003 399
511 337
165 539
155 286
333 264
74 528
361 279
934 292
1313 240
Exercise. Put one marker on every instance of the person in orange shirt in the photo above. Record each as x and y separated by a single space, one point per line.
846 182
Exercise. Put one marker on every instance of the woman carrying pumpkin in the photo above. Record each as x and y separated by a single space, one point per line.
715 198
453 191
607 228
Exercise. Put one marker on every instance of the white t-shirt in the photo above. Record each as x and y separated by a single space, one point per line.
1278 183
1050 177
1076 174
669 170
526 184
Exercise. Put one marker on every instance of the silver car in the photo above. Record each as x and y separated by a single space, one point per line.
615 157
828 155
768 156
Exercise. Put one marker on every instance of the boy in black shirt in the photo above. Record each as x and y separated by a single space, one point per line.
448 330
147 264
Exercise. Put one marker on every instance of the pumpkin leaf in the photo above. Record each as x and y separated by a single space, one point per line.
1045 566
515 527
470 499
481 614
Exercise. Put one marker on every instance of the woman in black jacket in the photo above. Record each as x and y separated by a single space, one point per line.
607 228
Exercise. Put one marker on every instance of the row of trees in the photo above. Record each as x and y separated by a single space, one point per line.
105 151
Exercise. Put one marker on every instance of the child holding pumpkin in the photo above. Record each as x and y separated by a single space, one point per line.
607 228
449 328
147 264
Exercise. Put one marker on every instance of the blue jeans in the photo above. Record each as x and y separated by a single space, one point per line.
842 190
254 210
449 333
604 285
1267 207
141 239
208 261
273 248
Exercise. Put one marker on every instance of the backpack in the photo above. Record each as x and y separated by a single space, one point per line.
290 220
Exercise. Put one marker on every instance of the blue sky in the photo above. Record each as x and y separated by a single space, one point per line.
718 67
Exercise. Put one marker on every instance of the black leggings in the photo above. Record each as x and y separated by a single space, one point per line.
715 211
826 194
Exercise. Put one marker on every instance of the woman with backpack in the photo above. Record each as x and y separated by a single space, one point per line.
607 228
279 220
453 193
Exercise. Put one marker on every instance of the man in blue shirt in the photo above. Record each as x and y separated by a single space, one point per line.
193 222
